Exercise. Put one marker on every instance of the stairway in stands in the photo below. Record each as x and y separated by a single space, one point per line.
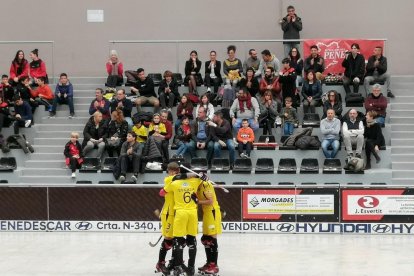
402 131
47 164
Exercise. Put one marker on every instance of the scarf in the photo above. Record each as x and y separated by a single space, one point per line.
247 99
370 123
114 69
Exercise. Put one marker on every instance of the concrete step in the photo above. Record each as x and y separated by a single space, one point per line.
51 164
402 149
403 78
402 174
403 142
402 113
49 126
403 181
48 148
403 99
402 135
46 172
57 134
86 80
402 158
401 120
402 127
47 156
53 142
402 106
64 120
403 166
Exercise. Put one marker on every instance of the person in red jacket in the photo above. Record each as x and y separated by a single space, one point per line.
378 103
115 70
43 94
270 82
19 68
245 137
37 67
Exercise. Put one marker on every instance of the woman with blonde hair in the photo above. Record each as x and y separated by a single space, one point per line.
115 70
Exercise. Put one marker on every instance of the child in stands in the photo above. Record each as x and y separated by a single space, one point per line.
73 153
289 117
245 137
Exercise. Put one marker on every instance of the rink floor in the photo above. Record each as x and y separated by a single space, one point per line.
240 254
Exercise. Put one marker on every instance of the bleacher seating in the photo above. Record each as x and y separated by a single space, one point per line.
264 165
242 165
309 165
90 165
220 165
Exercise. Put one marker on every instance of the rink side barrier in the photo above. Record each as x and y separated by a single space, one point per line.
249 209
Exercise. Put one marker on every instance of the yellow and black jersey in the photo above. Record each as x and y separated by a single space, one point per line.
183 190
206 191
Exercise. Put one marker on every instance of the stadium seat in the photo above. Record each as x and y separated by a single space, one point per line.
287 166
309 166
264 165
90 165
242 165
177 159
285 184
220 165
220 182
311 120
354 183
378 183
106 182
199 164
178 78
266 142
156 78
240 183
332 166
262 183
4 181
108 164
380 82
150 182
84 182
308 183
8 164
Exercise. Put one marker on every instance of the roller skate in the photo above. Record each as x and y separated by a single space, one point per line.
180 271
161 268
190 271
212 269
201 269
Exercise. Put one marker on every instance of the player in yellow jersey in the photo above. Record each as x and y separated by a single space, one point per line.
211 226
185 222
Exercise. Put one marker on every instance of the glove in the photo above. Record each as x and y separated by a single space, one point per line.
203 176
222 143
194 197
162 192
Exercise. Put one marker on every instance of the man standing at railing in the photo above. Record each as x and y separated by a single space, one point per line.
291 25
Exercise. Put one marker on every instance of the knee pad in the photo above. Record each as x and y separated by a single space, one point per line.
167 244
191 241
206 240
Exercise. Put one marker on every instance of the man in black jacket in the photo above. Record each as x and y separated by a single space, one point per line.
354 64
291 25
144 89
377 71
124 104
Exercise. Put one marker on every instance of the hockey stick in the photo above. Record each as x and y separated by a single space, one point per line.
199 175
155 244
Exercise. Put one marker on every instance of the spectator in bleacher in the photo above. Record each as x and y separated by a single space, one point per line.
23 114
220 135
37 67
287 79
95 134
168 91
353 133
142 133
183 139
270 82
63 95
157 131
269 60
200 129
232 67
296 62
373 138
250 83
6 89
245 107
330 128
251 62
333 102
212 73
121 101
245 139
208 107
375 101
129 157
354 64
376 70
144 89
184 108
100 104
43 94
192 73
24 90
268 112
73 153
115 70
19 68
315 63
168 135
311 92
291 26
289 117
117 132
4 114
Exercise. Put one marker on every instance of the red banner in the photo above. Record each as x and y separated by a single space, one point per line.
333 51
